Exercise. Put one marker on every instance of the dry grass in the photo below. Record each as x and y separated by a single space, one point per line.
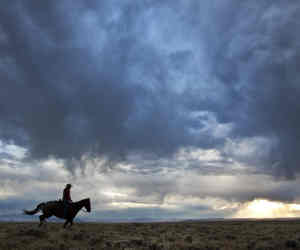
154 236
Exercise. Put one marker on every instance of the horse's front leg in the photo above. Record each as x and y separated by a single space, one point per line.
66 223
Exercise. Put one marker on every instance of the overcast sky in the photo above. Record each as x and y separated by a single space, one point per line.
154 109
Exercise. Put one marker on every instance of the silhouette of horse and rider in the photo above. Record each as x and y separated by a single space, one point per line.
64 209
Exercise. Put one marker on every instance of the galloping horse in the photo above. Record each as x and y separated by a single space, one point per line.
56 208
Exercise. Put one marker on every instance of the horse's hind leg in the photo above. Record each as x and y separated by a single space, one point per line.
42 218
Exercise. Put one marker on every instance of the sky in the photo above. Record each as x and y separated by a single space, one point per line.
156 110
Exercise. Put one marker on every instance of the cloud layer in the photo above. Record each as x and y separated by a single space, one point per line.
110 79
206 90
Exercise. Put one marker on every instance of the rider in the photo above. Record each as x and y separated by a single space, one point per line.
67 201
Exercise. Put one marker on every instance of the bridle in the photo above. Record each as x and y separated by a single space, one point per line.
84 209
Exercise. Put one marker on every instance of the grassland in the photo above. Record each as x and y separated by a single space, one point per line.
154 236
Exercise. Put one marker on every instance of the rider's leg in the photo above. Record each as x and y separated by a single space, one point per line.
66 205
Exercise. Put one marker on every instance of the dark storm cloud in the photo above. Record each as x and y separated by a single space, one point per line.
109 78
62 97
253 51
271 71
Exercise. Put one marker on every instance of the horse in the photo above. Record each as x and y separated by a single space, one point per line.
56 208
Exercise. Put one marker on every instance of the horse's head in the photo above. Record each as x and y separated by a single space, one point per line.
87 204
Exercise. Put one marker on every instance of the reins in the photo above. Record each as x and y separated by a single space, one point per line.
84 210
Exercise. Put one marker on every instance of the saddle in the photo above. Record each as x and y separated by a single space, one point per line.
56 202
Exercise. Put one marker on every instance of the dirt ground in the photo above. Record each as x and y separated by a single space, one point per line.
154 236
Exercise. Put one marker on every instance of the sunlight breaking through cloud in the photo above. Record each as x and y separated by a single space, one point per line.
260 208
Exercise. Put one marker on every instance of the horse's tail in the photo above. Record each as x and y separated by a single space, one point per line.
34 211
